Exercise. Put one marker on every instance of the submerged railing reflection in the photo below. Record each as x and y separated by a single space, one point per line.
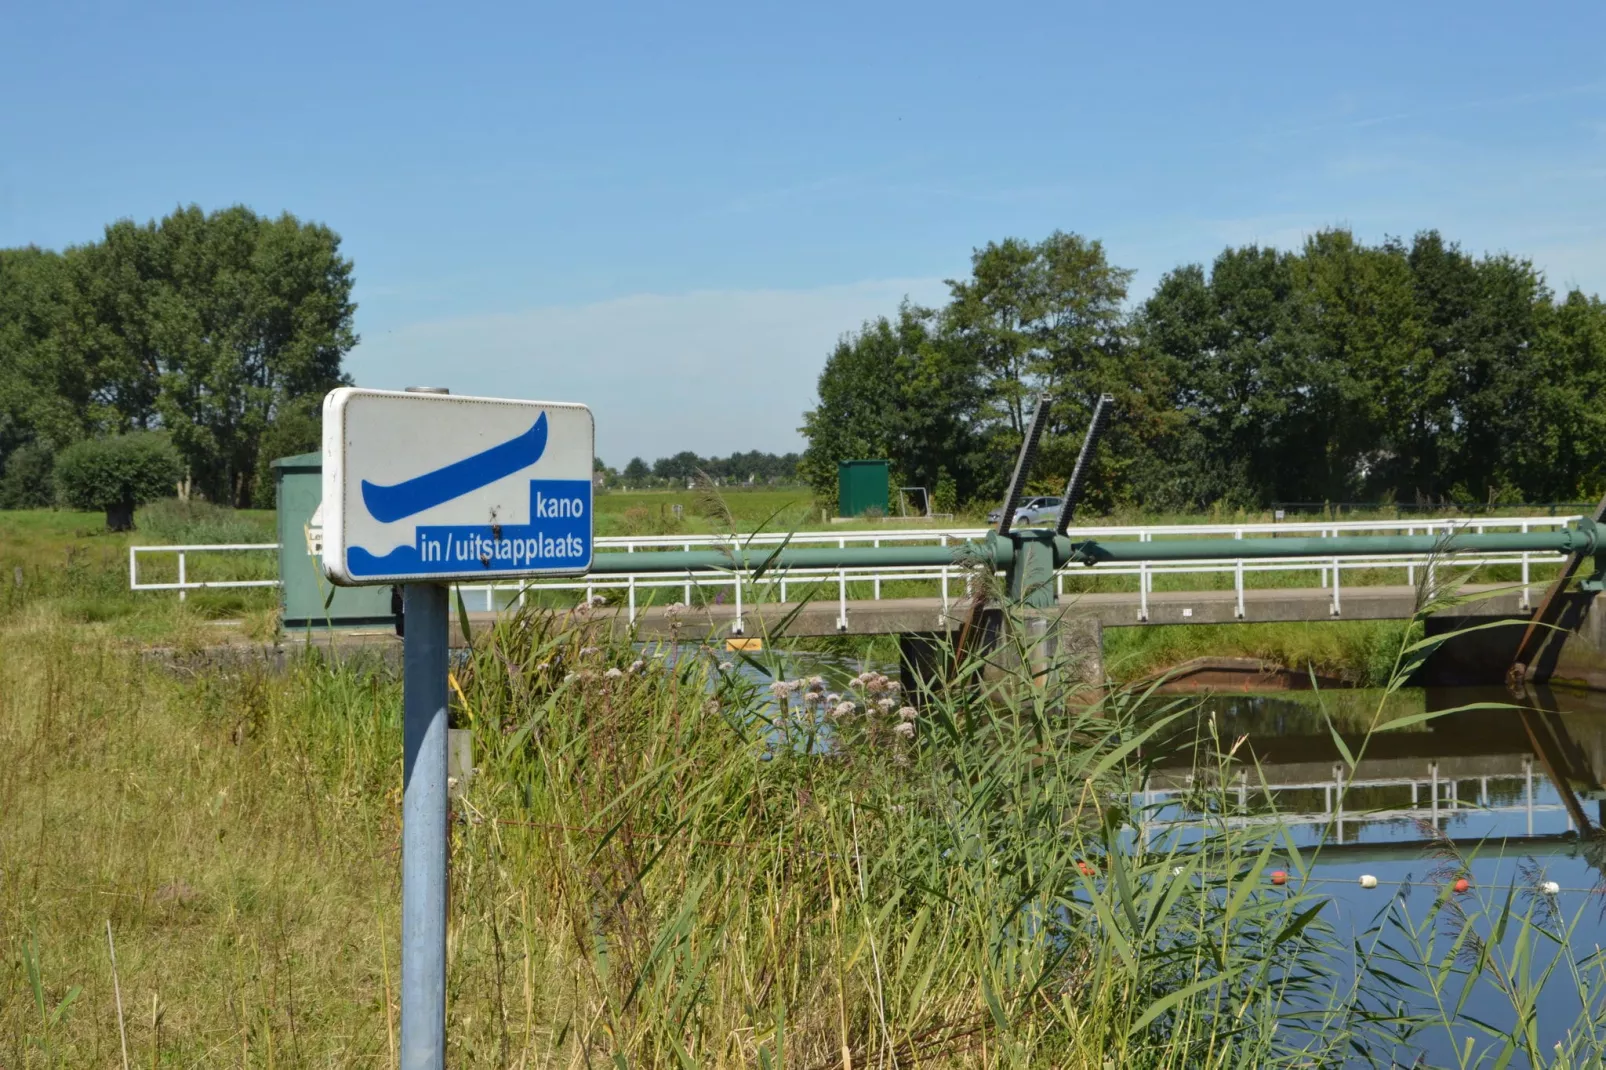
1502 774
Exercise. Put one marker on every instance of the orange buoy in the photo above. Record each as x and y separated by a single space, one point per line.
1279 877
1087 870
1462 884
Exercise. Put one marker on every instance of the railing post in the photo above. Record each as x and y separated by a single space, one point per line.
877 588
1528 780
1144 579
1524 604
687 589
1143 590
631 586
182 593
842 600
1336 609
1238 578
739 628
1338 800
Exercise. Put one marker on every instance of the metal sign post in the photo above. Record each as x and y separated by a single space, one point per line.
424 831
425 816
423 489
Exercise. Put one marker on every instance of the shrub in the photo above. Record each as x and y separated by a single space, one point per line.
117 473
27 482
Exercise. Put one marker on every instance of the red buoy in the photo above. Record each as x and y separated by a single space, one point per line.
1087 870
1462 884
1279 877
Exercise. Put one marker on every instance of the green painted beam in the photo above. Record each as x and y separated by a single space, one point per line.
787 557
1565 540
1002 552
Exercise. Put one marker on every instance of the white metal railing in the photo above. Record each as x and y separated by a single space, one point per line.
185 584
1433 798
1329 570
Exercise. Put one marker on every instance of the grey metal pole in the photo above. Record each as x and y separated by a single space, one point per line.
425 656
424 817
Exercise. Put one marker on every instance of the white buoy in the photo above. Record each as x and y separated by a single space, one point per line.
1368 881
1550 887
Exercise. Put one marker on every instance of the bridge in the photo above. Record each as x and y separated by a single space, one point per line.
869 599
925 581
1055 580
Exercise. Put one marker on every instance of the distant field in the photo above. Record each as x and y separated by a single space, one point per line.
64 562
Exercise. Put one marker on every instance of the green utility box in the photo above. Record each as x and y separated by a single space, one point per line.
860 487
306 599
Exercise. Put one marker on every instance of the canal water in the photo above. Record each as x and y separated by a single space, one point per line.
1508 798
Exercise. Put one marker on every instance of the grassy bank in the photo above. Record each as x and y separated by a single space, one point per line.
1361 652
661 862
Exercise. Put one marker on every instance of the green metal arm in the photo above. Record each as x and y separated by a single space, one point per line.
1580 539
788 557
1002 552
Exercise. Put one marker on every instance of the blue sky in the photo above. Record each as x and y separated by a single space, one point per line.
671 212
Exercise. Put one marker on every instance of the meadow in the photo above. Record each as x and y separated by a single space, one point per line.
669 859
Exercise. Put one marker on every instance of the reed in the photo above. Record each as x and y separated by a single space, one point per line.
668 858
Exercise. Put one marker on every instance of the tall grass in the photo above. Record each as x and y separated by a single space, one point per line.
670 859
196 522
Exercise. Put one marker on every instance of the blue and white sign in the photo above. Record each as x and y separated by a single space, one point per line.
438 487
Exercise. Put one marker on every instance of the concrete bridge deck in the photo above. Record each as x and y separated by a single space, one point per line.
891 616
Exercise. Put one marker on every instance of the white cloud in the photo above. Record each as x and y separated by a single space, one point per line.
710 371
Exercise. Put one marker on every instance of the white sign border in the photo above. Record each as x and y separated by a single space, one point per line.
333 504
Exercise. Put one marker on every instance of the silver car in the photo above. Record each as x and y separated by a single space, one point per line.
1031 511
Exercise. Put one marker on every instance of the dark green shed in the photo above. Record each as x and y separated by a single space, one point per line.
861 486
306 599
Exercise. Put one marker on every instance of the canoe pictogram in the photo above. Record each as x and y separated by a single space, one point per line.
401 500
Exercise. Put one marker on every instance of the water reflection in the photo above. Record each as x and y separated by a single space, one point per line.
1472 776
1510 798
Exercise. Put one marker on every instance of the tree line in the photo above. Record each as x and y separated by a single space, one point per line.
221 331
753 466
1340 371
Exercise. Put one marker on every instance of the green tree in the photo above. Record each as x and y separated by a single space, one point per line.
1560 453
222 328
252 315
636 473
898 391
678 469
1050 317
117 474
27 479
44 393
296 428
1041 317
